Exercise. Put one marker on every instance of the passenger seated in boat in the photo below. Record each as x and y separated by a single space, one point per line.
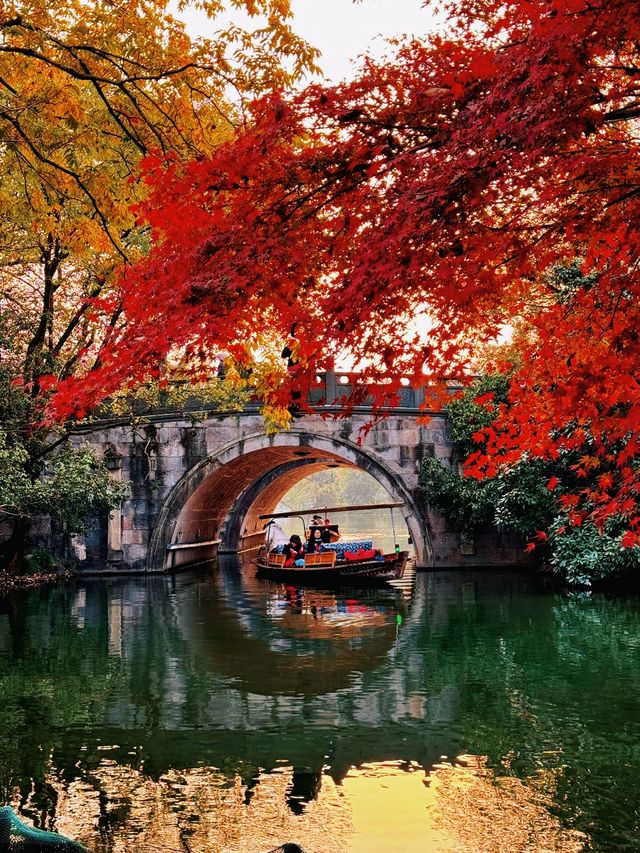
293 550
328 531
323 531
315 540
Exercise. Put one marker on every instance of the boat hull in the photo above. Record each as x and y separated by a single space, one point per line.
360 572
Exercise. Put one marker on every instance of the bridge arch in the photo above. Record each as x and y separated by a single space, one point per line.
222 496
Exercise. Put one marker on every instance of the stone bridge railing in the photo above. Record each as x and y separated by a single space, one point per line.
332 392
333 387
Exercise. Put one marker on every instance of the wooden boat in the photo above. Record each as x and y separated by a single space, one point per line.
325 569
329 566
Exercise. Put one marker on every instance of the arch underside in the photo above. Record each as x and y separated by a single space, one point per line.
223 496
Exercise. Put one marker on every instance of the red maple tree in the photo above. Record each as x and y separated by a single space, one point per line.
447 182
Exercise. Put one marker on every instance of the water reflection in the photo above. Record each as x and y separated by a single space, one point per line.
273 639
456 808
222 713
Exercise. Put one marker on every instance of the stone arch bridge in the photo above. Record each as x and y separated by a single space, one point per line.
201 480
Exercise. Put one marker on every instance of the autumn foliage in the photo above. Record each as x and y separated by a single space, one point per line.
86 90
448 182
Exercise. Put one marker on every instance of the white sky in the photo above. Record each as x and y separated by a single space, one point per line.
342 29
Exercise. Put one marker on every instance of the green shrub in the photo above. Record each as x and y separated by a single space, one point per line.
585 555
518 500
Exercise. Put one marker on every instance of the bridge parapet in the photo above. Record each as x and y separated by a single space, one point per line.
332 392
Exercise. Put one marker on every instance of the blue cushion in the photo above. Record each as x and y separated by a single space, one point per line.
341 547
338 547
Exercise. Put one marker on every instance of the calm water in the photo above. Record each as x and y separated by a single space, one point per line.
218 713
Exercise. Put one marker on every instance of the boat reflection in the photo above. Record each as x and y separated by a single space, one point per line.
273 639
325 615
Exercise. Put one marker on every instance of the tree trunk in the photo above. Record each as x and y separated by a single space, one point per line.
16 547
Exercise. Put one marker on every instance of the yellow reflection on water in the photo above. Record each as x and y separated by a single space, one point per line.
392 809
459 807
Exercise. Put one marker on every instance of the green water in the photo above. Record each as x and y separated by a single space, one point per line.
127 703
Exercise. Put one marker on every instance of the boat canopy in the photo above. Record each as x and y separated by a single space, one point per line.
329 509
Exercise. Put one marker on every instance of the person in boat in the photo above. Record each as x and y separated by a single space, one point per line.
274 535
315 540
330 531
316 521
293 550
316 524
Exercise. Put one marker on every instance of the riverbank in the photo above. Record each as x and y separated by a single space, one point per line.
9 582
